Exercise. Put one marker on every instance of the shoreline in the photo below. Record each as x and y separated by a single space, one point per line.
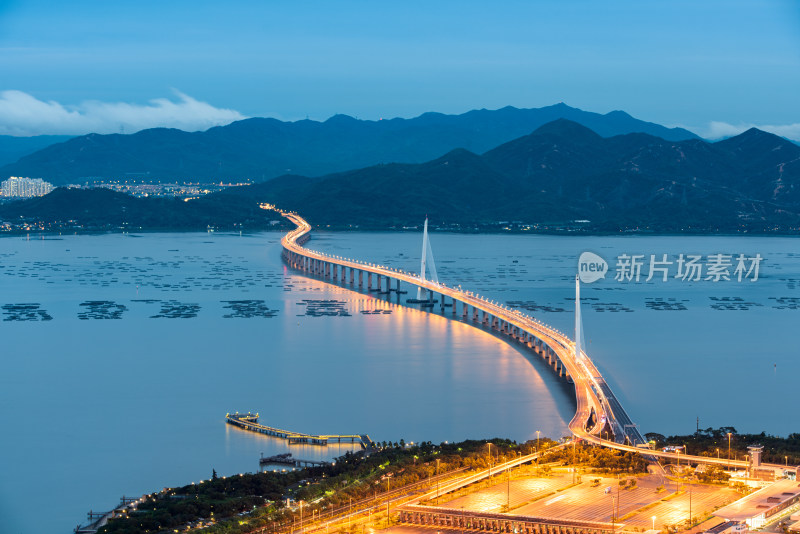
391 230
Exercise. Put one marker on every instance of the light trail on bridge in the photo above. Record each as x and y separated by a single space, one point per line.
593 394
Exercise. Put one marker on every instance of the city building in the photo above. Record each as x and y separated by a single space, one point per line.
759 507
25 187
728 527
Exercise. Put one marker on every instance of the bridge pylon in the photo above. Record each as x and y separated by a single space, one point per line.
427 262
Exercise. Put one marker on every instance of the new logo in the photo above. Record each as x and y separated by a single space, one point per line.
591 267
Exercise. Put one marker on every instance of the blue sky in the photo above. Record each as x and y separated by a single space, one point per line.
102 65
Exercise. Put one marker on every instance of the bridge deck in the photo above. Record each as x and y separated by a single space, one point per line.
593 395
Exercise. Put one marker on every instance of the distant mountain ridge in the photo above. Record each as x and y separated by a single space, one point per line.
12 148
564 172
562 177
259 149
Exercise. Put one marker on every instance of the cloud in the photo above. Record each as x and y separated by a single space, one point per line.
717 130
22 114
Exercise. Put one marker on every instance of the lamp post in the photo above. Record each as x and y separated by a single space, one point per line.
437 481
654 522
490 458
729 450
573 461
690 504
508 489
537 445
613 514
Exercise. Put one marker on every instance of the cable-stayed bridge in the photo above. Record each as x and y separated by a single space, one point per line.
599 417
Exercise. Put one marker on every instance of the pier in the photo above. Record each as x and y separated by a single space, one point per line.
249 421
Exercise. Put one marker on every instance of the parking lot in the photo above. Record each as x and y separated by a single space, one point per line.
554 496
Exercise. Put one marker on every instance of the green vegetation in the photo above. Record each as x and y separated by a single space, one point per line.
712 474
714 442
244 503
249 502
600 458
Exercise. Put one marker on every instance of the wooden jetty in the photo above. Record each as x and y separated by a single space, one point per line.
249 421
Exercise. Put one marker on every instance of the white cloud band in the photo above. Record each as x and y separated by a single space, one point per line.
717 130
22 114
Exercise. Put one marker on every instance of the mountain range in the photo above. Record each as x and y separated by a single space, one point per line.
12 148
258 149
561 173
561 177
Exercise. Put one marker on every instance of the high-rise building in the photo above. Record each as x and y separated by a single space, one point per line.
25 187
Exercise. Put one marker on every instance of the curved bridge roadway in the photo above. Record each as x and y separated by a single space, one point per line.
596 403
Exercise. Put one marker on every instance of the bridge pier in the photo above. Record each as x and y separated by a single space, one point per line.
369 281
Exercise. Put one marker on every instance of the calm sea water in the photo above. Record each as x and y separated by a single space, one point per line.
121 354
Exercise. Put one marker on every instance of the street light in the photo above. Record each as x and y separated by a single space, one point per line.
613 514
437 481
654 522
508 488
729 450
301 516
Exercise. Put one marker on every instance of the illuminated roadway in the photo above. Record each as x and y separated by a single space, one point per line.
593 395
